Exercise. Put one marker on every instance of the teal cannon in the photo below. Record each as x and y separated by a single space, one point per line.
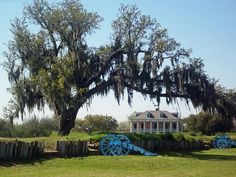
118 145
223 142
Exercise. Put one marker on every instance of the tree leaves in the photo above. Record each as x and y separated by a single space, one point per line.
54 64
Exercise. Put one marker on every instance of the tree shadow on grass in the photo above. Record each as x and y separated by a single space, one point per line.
47 156
13 162
201 155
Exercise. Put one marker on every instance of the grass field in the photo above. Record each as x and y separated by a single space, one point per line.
210 163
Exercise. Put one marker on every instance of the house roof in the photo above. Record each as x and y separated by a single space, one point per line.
156 115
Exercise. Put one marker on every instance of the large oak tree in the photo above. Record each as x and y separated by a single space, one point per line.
51 63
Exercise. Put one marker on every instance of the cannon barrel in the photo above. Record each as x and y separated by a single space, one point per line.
117 145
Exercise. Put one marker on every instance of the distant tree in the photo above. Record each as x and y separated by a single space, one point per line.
207 124
131 116
190 123
124 125
11 111
97 123
54 65
48 125
35 127
79 125
5 128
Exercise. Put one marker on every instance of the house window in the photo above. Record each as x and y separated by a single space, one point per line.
162 115
154 125
161 125
174 125
167 125
135 125
142 125
149 115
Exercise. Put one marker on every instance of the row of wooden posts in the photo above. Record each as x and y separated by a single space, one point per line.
72 148
169 145
20 150
24 150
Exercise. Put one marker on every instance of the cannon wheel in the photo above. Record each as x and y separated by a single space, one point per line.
222 142
124 139
109 145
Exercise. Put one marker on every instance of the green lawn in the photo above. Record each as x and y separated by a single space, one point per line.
209 163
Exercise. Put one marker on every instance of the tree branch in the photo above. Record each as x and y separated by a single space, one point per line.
150 92
99 88
103 69
43 23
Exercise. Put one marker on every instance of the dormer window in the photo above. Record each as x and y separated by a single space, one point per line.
162 115
149 115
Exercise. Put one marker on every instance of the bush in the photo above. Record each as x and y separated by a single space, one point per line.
148 136
96 123
34 127
5 128
124 126
207 124
20 130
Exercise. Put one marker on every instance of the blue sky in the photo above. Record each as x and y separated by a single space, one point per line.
208 27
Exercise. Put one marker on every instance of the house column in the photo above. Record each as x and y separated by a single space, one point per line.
171 124
131 127
164 127
144 127
157 127
150 127
177 126
137 129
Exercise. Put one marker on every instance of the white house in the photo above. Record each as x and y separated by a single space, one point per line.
155 122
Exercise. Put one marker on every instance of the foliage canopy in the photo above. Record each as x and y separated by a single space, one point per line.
207 124
96 123
53 63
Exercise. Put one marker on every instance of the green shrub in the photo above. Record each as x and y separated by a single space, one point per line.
92 123
5 128
207 124
35 127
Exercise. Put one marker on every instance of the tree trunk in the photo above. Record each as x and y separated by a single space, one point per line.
67 121
11 121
